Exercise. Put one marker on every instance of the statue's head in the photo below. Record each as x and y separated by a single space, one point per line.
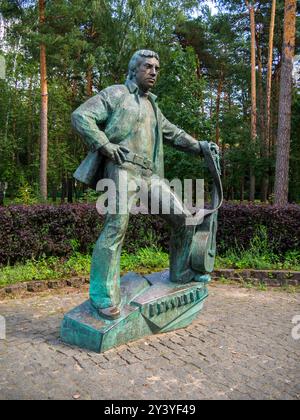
143 69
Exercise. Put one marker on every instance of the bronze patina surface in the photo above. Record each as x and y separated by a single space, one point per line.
150 305
125 130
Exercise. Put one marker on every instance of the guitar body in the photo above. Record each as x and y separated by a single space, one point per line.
204 245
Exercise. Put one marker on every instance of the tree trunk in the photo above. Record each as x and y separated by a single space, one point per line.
218 101
89 82
261 119
275 108
267 140
260 91
242 189
269 75
211 101
64 188
44 111
29 143
253 95
285 102
70 184
3 187
54 194
228 97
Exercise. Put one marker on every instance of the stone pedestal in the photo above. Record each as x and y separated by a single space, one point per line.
151 304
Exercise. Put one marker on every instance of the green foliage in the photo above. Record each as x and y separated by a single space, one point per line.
292 260
94 40
43 269
181 94
75 245
78 264
145 260
260 256
89 196
181 166
26 195
181 90
295 149
79 41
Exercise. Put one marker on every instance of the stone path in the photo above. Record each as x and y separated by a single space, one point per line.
241 347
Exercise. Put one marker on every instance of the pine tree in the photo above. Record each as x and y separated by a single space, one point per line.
253 93
44 110
285 101
266 138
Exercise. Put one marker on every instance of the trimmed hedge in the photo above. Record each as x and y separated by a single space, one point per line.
238 223
34 231
42 230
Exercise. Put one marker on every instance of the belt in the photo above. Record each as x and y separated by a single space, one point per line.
141 161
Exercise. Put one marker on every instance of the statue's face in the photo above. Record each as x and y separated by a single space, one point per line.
146 73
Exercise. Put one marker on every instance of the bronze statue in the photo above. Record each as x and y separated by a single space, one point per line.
124 125
125 129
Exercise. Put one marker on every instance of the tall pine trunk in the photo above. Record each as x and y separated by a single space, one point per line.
285 102
218 102
261 113
261 119
44 110
269 75
267 139
89 82
253 95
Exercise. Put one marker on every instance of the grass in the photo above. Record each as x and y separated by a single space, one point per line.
258 256
262 287
247 260
146 260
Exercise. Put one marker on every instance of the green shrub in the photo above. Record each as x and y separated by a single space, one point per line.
260 255
145 260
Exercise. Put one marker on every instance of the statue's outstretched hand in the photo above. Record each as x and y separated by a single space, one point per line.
214 148
215 152
114 152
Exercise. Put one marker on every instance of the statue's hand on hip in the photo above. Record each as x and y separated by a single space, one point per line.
114 152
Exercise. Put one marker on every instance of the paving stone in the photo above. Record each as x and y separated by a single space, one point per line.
37 286
240 347
76 282
57 284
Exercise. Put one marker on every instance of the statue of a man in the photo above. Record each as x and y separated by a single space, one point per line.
125 130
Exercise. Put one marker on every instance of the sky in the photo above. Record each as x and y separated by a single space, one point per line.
212 7
1 27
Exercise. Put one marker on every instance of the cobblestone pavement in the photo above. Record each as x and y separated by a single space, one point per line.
240 347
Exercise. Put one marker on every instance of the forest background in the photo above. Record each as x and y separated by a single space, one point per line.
229 74
220 81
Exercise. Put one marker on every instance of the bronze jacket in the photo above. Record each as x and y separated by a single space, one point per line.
111 116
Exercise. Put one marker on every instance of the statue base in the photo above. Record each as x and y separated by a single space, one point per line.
151 304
